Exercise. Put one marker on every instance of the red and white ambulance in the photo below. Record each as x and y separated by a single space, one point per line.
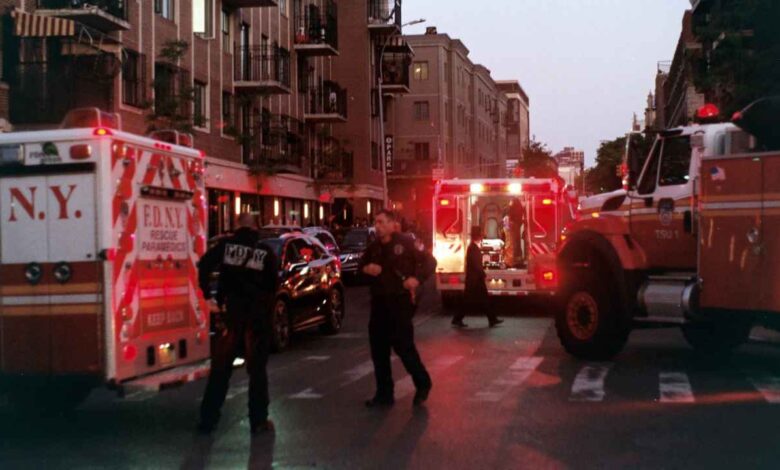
100 233
520 220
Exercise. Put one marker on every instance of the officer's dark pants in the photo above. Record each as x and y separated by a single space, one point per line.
247 329
391 327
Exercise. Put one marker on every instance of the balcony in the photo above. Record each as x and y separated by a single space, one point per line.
41 93
275 145
384 16
404 169
334 164
395 67
316 30
326 104
262 70
103 15
250 3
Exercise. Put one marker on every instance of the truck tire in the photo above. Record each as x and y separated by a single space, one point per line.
717 339
451 301
588 320
281 327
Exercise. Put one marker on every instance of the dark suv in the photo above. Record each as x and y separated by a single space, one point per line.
310 292
355 242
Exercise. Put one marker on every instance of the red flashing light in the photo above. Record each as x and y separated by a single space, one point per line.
547 202
708 111
102 131
737 116
444 202
548 276
81 152
454 280
130 352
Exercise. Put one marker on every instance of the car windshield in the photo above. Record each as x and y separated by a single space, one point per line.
276 244
356 238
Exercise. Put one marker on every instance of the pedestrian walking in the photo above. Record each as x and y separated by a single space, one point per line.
247 284
476 293
395 269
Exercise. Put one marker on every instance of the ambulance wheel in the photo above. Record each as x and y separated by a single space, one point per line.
335 318
717 339
280 326
588 320
451 301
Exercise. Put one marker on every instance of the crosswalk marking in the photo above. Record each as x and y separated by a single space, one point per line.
308 394
589 384
515 375
316 358
405 386
141 395
675 387
357 373
768 386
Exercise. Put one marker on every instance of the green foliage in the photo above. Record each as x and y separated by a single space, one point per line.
605 176
174 94
538 161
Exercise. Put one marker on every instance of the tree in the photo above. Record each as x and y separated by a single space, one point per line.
606 175
538 161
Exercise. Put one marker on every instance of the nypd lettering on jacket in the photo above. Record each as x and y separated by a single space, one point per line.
250 258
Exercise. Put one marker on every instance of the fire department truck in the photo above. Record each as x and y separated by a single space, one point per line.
520 221
691 242
100 232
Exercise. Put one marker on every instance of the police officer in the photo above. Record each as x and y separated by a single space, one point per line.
248 274
395 269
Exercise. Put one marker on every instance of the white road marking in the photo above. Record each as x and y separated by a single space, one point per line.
237 390
316 358
405 386
348 336
141 395
767 385
308 394
675 387
589 383
358 372
515 375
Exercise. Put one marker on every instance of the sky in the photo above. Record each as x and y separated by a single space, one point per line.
586 65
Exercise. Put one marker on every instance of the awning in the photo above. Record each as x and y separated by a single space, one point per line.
30 25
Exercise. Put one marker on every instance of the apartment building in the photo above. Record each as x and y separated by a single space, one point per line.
518 122
254 81
455 122
571 164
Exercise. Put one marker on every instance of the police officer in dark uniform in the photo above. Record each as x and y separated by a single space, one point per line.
248 274
396 269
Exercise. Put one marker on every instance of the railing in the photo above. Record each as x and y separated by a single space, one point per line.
327 99
42 93
395 69
334 164
116 8
275 143
314 25
384 12
262 64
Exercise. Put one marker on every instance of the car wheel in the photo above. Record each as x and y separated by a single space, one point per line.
336 312
588 322
280 326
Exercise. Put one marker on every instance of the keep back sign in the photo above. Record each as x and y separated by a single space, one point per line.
162 230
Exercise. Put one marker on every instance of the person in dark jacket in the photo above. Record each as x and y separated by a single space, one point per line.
248 274
476 293
395 269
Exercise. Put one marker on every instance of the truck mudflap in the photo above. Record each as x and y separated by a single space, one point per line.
165 379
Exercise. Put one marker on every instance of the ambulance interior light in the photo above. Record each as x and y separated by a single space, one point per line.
515 188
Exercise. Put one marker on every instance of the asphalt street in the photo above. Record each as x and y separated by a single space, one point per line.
503 398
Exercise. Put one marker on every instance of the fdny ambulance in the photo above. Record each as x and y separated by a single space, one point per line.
693 240
520 220
100 233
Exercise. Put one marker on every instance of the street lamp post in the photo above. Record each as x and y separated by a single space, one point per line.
382 107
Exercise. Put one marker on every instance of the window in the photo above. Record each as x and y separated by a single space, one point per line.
421 111
374 156
225 26
649 176
446 72
422 151
227 110
420 70
134 79
676 161
199 101
164 8
202 22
